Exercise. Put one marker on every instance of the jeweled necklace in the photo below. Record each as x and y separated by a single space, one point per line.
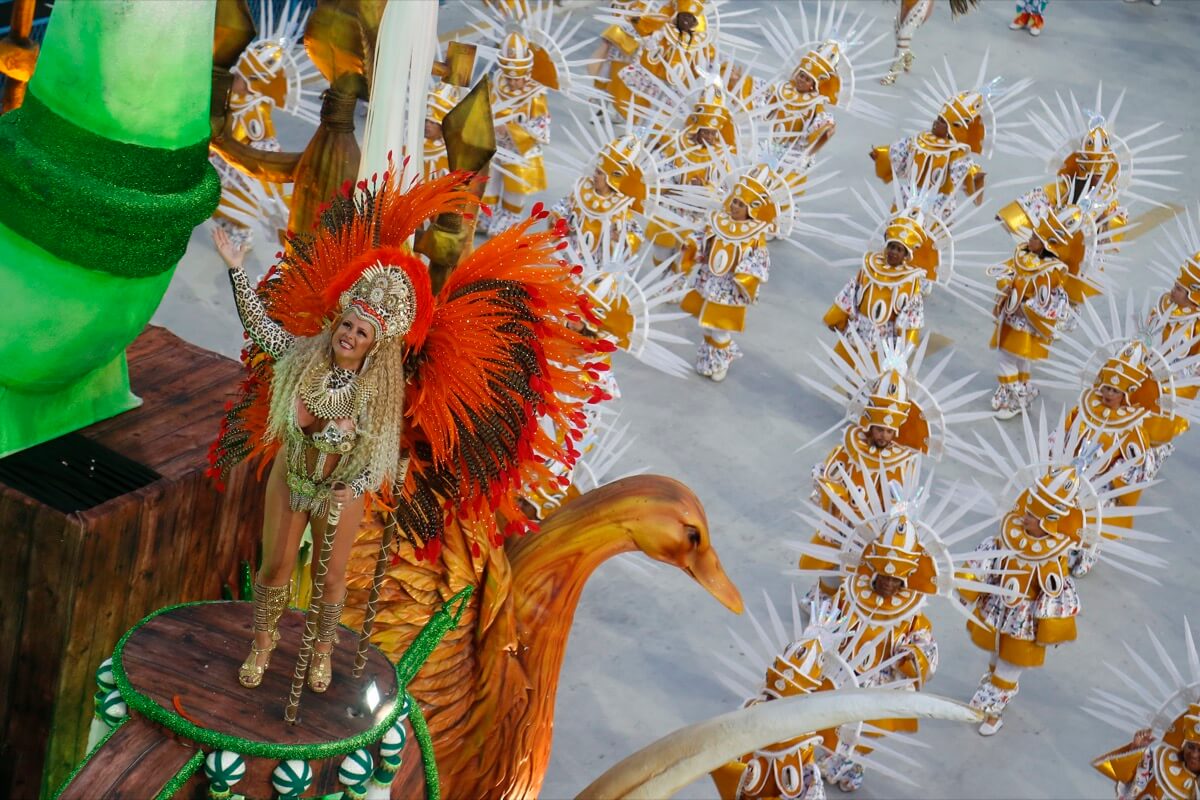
331 392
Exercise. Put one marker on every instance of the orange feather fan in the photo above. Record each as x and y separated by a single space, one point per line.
489 357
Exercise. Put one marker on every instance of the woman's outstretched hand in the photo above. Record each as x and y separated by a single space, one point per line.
232 254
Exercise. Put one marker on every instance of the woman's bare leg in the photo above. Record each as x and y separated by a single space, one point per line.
282 530
333 593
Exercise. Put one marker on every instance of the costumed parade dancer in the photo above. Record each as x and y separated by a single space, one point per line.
1175 318
1095 169
1060 506
732 263
272 73
825 69
529 62
694 154
619 42
604 209
441 101
804 662
942 161
891 421
910 16
732 260
1030 16
1129 407
887 550
885 299
1162 762
1031 304
684 43
331 398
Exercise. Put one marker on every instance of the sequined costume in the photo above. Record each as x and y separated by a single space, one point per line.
669 55
733 263
886 301
603 209
1031 303
943 164
1156 771
440 102
317 461
1041 611
522 121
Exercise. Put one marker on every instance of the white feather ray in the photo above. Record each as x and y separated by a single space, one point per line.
847 384
864 516
1057 130
280 44
1019 462
1161 690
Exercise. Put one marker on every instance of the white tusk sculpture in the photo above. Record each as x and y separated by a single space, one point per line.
666 766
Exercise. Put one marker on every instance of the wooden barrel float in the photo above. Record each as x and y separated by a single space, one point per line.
184 727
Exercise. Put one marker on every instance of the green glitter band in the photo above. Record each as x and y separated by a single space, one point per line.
79 767
441 622
185 773
101 204
433 786
220 741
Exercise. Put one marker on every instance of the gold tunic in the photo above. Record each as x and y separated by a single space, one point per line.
592 212
883 292
1038 566
933 161
734 267
1168 778
1025 321
521 113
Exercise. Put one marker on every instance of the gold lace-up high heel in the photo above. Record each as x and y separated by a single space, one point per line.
320 673
269 603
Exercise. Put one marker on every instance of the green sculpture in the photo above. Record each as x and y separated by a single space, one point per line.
103 175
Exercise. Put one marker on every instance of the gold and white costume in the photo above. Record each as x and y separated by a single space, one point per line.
1042 605
943 165
603 209
272 74
669 56
696 157
733 262
1030 305
1156 771
440 102
522 121
887 302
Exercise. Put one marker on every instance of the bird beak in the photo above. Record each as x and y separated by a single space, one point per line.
706 570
